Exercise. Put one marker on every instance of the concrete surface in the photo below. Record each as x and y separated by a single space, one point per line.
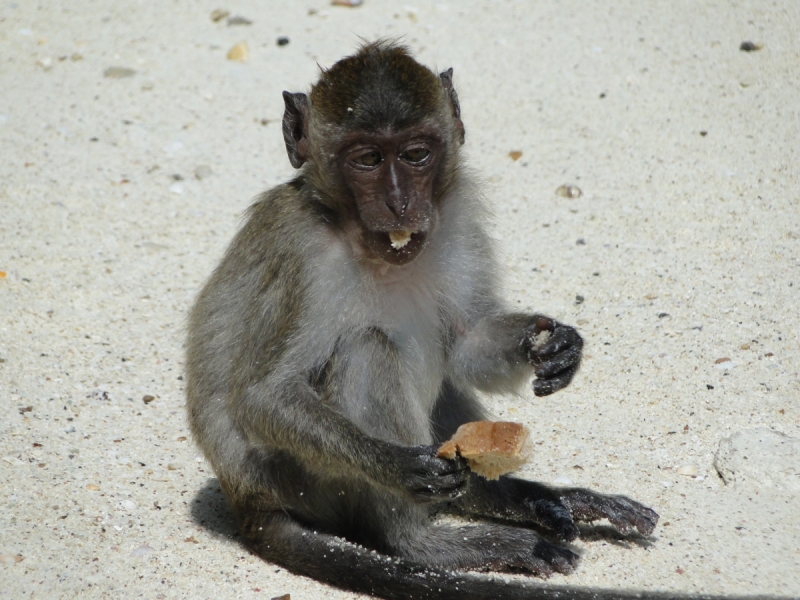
685 247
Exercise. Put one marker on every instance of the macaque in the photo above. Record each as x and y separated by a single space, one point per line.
343 338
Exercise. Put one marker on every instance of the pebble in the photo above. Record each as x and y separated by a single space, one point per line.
282 41
118 72
128 505
348 3
687 470
761 457
240 52
515 155
238 20
141 551
747 46
219 14
569 191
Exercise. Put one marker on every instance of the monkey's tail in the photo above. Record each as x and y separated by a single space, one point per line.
329 559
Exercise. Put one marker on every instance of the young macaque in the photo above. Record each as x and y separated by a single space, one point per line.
341 341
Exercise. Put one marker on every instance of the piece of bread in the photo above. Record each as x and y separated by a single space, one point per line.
492 448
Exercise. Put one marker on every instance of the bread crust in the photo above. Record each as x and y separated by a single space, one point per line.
491 448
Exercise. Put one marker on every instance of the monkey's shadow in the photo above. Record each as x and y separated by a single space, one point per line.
209 509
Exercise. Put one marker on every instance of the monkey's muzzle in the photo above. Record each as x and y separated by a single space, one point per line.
397 247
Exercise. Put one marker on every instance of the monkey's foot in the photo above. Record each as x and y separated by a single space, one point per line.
548 558
624 514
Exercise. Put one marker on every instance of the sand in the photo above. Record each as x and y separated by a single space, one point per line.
119 193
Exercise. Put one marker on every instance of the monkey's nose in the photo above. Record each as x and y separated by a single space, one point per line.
397 204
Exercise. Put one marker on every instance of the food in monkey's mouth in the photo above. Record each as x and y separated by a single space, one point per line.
399 238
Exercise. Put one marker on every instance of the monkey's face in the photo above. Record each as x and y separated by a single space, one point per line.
392 177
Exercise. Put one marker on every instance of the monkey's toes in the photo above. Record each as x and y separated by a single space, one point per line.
553 559
633 516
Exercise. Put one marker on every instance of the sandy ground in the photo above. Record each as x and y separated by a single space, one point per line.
684 248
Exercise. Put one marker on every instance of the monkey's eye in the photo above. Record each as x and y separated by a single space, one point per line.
415 155
369 159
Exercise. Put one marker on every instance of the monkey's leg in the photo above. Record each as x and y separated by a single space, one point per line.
554 508
527 501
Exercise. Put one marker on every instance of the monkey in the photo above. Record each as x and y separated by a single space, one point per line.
347 332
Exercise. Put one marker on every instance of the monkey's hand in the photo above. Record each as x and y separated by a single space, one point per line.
429 478
554 349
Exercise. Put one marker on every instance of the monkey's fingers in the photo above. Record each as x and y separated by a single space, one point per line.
545 558
569 358
448 488
624 514
562 338
545 387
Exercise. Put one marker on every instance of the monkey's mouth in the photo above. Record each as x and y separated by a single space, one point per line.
397 247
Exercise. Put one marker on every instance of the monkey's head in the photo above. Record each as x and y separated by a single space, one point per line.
379 138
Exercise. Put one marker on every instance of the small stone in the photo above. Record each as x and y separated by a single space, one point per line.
171 467
128 505
239 20
203 172
579 299
240 52
724 363
284 597
147 398
92 487
748 46
687 470
569 191
282 41
118 72
580 242
348 3
219 14
515 155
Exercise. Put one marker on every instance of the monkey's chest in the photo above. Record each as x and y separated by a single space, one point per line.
410 317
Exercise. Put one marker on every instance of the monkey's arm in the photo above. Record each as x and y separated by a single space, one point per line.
297 421
499 351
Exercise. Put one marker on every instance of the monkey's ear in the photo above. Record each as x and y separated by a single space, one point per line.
295 127
446 77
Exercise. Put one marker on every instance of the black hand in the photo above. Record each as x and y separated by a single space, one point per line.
431 479
557 358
